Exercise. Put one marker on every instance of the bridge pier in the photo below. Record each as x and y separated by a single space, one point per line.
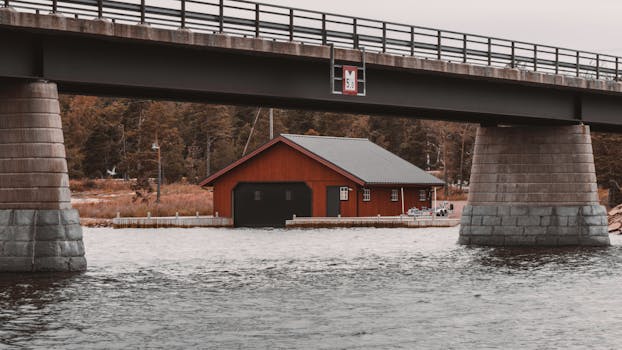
39 231
533 186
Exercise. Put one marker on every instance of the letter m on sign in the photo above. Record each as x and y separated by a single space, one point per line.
350 80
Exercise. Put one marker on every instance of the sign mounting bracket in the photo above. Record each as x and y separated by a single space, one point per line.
350 80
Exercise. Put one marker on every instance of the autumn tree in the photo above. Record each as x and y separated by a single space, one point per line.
79 114
198 139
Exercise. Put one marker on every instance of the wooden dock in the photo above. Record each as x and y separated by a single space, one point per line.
374 221
317 222
172 221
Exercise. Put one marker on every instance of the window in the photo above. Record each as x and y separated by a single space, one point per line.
423 195
343 193
288 195
366 195
395 196
257 195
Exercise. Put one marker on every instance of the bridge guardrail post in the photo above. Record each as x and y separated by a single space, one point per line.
535 58
578 63
597 66
6 3
464 48
384 37
221 10
513 57
291 24
142 11
490 51
183 14
557 60
257 11
412 40
324 36
54 6
100 9
355 41
617 68
439 37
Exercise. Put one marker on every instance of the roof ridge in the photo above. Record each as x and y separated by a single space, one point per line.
328 137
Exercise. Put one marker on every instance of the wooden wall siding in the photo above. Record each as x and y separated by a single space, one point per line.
281 163
381 204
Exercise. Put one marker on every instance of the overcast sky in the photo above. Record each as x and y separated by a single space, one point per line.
586 25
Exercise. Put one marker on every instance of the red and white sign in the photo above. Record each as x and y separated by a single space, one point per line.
350 80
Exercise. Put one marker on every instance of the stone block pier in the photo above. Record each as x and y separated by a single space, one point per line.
533 186
39 231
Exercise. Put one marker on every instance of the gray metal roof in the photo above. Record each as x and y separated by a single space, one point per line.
364 159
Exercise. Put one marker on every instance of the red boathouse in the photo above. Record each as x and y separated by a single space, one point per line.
315 176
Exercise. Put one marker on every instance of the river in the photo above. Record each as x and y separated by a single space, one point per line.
316 289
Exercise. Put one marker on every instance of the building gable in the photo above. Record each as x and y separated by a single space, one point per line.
281 164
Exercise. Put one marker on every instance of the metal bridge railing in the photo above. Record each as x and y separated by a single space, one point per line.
250 19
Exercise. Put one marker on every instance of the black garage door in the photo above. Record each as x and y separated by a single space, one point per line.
270 204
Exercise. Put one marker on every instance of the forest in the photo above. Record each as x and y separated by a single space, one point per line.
108 135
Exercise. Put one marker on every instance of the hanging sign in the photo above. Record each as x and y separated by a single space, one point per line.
350 80
347 79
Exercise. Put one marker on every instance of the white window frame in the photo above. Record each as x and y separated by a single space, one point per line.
423 195
344 193
366 195
395 195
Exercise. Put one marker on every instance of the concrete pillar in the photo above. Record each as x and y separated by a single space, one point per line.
533 186
39 231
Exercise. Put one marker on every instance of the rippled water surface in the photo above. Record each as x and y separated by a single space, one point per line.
316 289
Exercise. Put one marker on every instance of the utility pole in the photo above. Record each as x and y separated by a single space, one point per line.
156 147
208 156
159 174
125 166
250 135
271 123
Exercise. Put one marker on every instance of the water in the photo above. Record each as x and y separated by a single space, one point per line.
316 289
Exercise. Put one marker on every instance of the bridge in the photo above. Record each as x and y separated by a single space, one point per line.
247 53
532 183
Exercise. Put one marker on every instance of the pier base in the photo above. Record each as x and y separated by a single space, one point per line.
533 186
41 240
39 231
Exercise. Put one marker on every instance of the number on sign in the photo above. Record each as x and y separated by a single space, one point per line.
350 80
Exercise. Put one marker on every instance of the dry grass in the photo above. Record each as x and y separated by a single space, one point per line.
455 194
107 197
99 186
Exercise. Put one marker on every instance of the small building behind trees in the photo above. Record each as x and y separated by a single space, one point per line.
317 176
